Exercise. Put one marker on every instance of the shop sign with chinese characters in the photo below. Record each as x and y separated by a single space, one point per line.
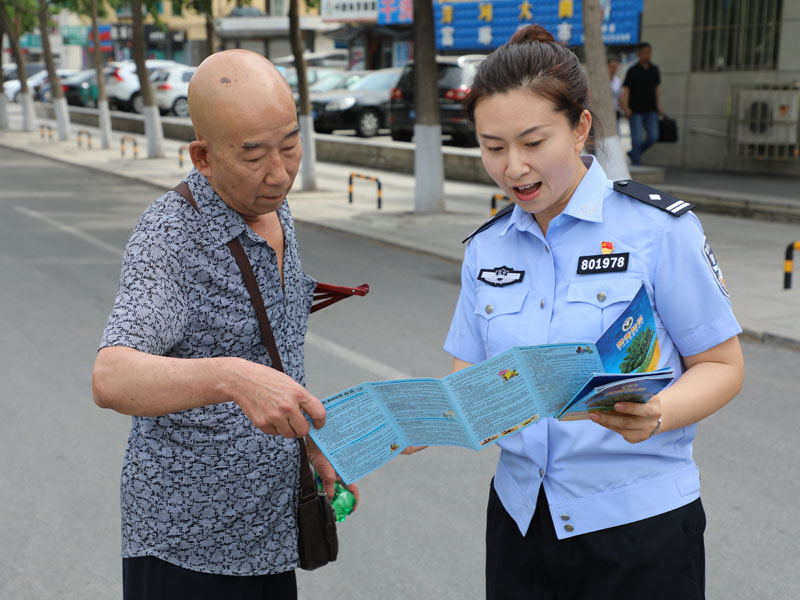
395 12
489 24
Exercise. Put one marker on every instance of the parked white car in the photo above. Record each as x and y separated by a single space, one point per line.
13 88
122 83
171 89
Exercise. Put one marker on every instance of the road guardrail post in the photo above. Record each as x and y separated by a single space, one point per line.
368 178
88 134
788 264
493 205
132 139
180 154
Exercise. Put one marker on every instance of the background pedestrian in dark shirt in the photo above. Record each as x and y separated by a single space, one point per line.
641 102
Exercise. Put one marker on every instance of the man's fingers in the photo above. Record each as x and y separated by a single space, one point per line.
354 490
314 409
298 424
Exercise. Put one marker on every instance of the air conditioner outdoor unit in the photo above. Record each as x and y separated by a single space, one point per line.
768 116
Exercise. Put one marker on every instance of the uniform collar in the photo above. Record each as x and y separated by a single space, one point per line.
586 203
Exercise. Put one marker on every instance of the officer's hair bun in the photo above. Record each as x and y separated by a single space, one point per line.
531 33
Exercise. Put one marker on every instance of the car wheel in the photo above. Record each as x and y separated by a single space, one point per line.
181 107
91 103
137 103
18 97
401 135
369 122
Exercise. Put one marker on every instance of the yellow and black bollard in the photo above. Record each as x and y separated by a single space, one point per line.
180 154
132 139
48 129
495 198
788 264
88 134
368 178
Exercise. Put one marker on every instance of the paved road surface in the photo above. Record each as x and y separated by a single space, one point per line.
418 534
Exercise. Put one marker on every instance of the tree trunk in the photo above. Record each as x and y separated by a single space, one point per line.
152 117
103 113
28 114
210 41
608 148
306 121
428 159
3 108
59 101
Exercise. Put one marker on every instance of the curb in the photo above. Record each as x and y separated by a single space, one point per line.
707 201
765 337
88 167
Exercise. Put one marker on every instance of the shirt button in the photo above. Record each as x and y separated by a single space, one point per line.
601 296
489 309
541 304
541 473
569 528
565 517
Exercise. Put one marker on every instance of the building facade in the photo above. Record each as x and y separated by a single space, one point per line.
734 89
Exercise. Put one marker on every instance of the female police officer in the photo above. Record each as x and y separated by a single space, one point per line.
606 508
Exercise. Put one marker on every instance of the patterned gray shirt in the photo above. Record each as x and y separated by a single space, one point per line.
203 488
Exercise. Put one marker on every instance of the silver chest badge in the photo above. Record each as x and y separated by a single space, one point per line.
500 276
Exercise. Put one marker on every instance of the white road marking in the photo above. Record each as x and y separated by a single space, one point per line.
375 367
380 369
90 239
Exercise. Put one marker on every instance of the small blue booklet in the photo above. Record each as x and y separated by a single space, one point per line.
369 424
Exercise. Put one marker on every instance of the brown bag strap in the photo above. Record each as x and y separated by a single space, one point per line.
308 488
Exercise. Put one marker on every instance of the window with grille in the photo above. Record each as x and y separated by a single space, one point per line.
735 35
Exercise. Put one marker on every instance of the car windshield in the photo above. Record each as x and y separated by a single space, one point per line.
333 81
79 77
382 80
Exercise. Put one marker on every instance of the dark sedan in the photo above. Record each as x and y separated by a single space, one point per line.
363 106
79 89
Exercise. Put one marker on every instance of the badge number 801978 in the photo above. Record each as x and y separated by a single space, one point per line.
603 263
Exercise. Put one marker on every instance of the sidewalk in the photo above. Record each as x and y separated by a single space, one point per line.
750 251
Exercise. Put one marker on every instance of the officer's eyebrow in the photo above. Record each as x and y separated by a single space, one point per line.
523 134
255 145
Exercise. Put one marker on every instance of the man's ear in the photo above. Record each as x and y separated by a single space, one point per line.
198 150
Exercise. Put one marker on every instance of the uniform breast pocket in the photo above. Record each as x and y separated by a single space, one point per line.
596 302
500 312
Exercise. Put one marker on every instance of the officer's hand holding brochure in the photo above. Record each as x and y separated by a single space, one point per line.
367 425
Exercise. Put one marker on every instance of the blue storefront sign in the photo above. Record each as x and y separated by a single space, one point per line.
490 23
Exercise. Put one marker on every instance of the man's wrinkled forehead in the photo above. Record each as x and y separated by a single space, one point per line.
251 145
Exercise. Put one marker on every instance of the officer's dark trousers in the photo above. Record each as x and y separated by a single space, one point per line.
150 578
660 558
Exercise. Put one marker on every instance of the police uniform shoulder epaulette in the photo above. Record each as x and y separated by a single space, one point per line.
500 214
661 200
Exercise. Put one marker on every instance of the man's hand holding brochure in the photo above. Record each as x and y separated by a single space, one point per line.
367 425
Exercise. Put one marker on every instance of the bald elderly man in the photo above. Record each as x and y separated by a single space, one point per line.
211 472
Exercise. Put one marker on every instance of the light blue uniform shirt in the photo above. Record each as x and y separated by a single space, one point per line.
593 478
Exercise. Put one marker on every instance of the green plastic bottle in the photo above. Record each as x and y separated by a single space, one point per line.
343 501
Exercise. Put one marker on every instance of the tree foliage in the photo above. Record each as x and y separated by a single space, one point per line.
637 351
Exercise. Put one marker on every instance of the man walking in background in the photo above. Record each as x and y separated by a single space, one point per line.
641 102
